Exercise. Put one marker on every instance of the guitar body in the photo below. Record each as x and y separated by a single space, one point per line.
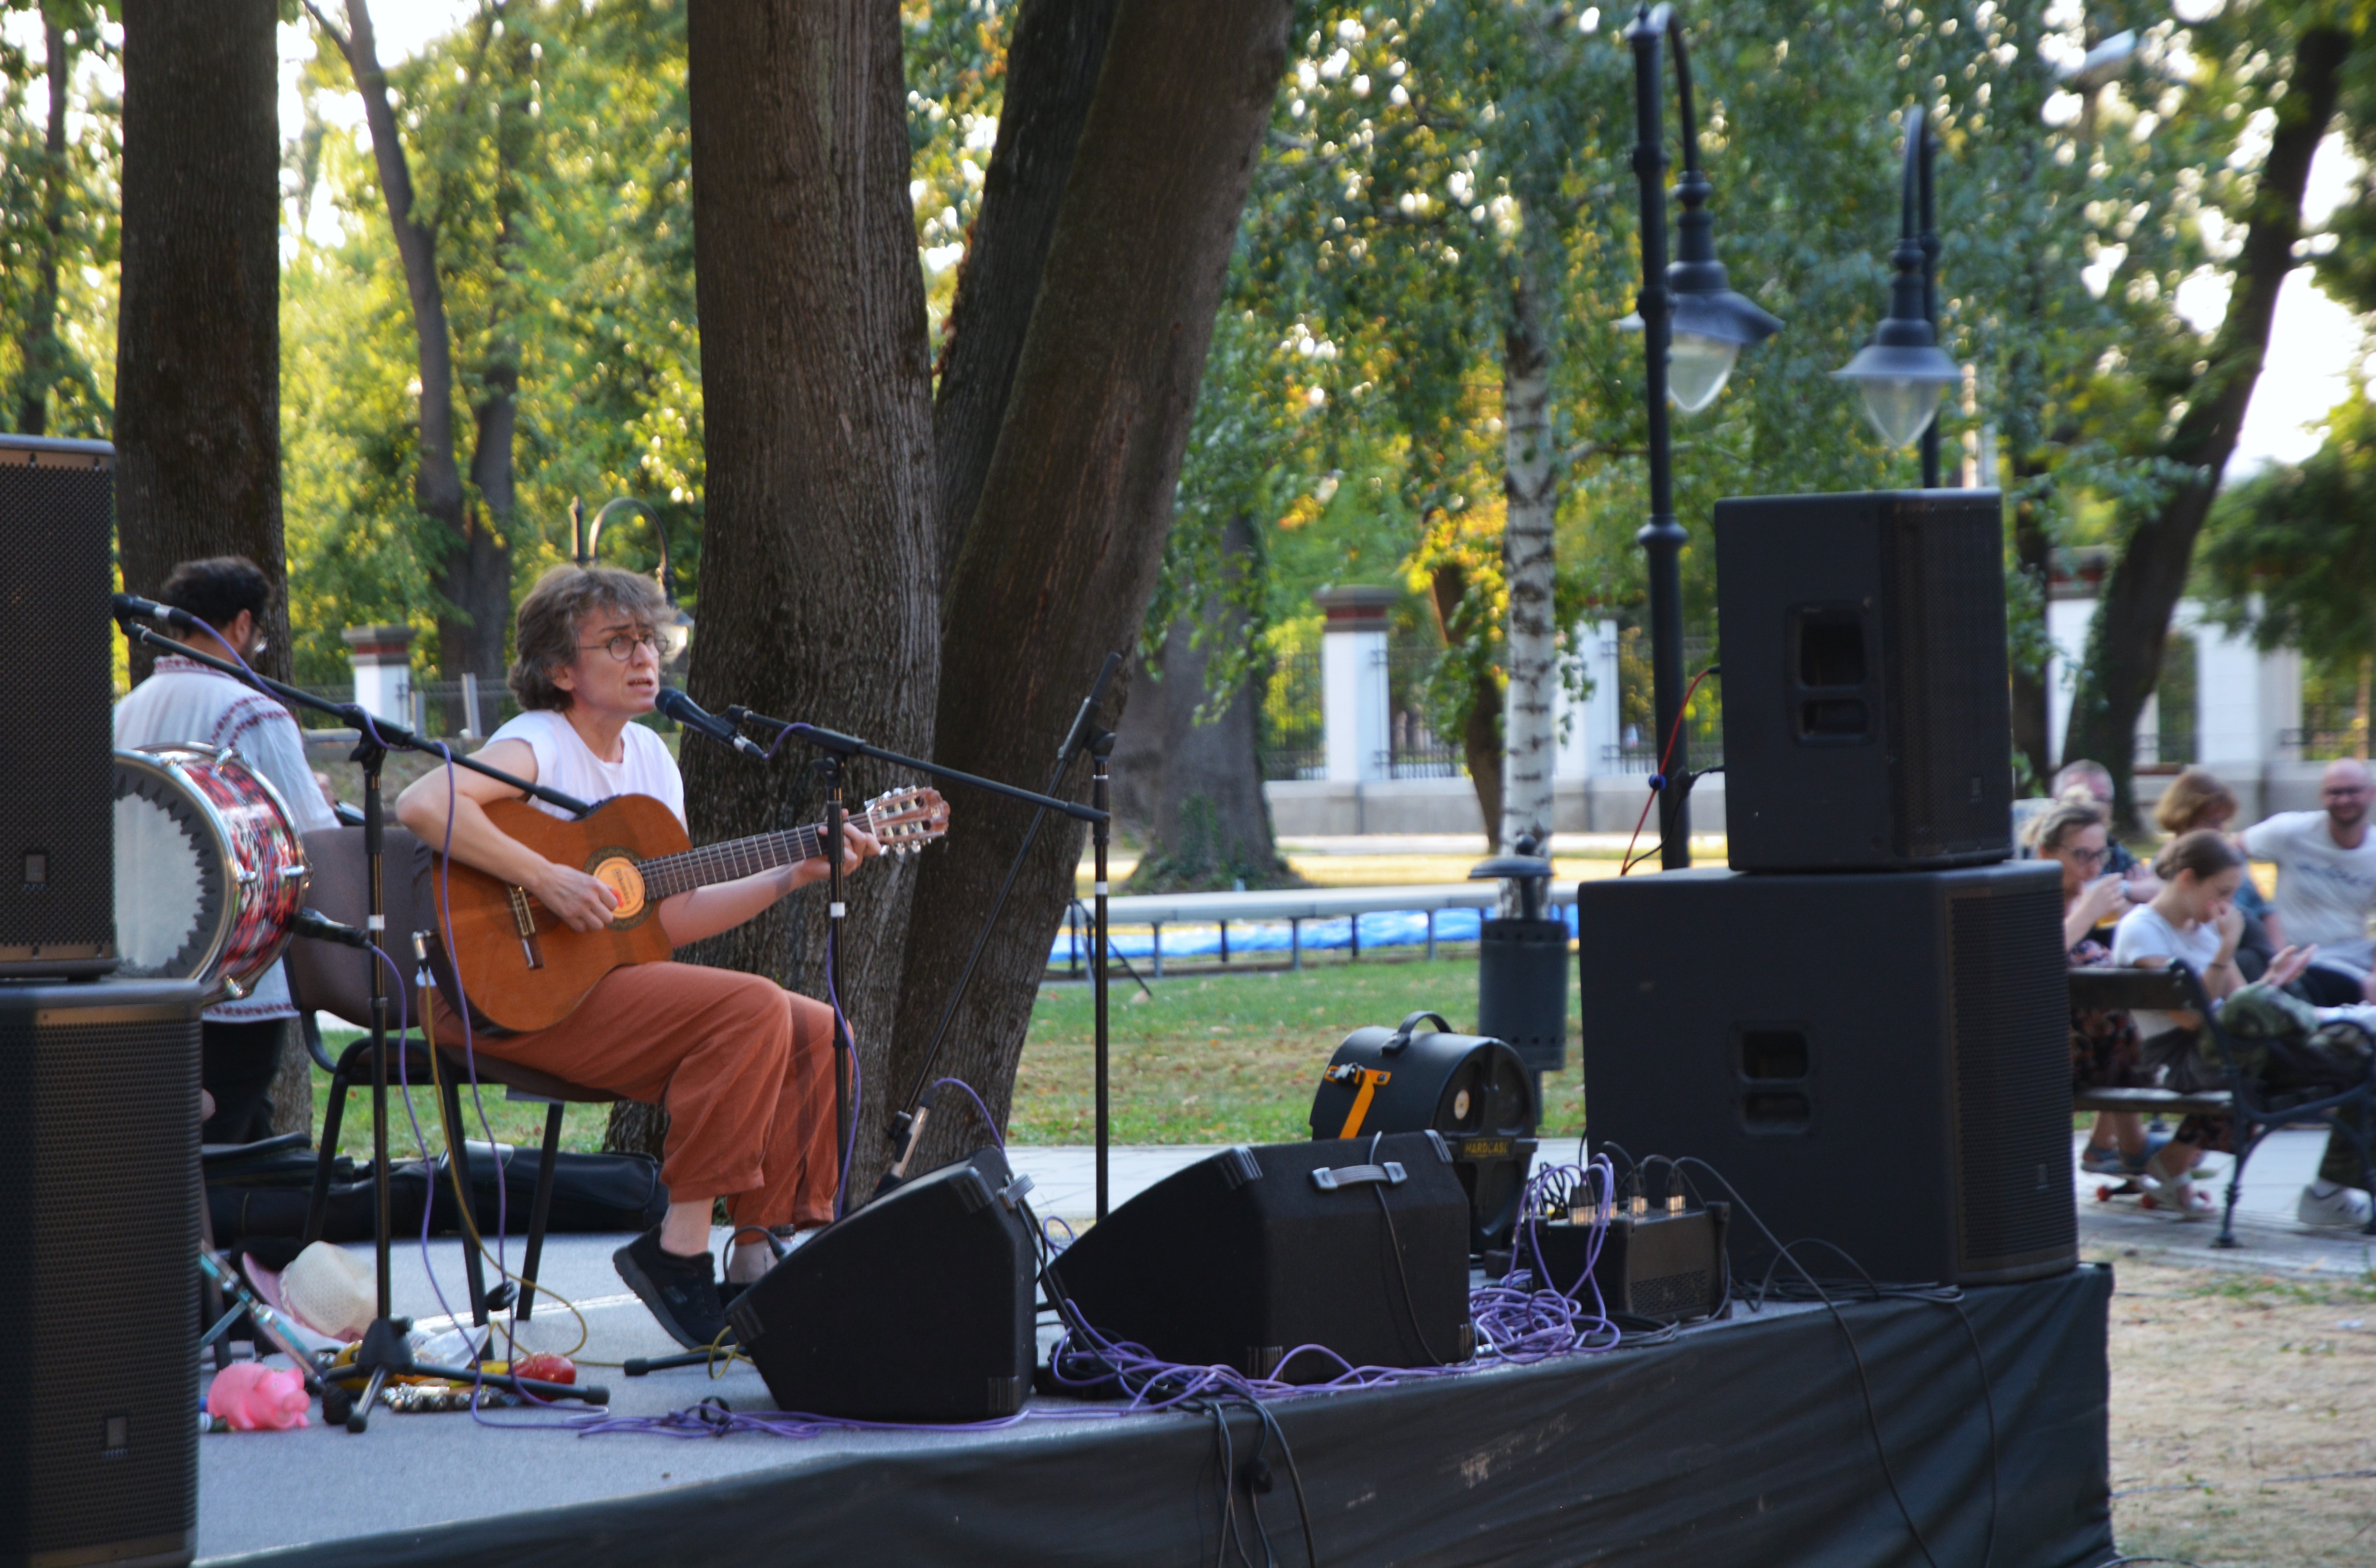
520 967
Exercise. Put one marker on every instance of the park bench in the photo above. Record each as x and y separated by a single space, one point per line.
2245 1101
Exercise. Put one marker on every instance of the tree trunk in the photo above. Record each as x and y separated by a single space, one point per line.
39 351
1060 560
1530 482
2124 643
292 1084
1052 62
818 552
2033 565
1192 791
1481 729
198 363
437 480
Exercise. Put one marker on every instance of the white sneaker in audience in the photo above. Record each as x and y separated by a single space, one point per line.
2344 1207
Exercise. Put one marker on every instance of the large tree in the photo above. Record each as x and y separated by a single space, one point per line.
197 367
2125 641
828 533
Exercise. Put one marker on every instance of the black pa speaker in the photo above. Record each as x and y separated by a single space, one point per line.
1472 1089
1867 723
99 1245
57 684
1244 1255
1881 1060
919 1307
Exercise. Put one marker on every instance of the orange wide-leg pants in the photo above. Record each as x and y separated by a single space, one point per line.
745 1067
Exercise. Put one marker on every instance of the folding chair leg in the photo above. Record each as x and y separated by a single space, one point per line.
542 1208
317 1211
458 1150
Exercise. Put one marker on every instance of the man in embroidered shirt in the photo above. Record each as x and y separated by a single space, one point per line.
185 701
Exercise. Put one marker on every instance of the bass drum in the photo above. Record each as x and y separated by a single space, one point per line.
210 873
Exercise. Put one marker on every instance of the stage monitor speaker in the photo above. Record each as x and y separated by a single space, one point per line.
1472 1089
1255 1251
1866 719
99 1245
919 1307
1881 1060
57 685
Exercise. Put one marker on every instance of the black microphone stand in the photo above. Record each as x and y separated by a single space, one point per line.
907 1126
385 1352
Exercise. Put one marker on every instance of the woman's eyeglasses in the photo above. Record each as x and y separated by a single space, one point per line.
2088 857
623 647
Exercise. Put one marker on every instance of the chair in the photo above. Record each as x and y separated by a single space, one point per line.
2246 1100
336 979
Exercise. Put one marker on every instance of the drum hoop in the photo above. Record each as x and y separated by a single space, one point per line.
164 763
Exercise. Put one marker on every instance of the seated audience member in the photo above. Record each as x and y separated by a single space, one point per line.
2086 781
2195 919
2195 800
2104 1046
2327 882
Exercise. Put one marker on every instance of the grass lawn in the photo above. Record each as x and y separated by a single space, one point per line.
1206 1059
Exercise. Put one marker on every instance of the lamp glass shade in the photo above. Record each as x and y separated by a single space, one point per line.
1901 408
1697 368
677 636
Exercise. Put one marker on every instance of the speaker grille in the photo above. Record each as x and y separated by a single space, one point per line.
2011 1019
1951 770
56 687
98 1243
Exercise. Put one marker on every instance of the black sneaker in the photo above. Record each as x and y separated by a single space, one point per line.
681 1291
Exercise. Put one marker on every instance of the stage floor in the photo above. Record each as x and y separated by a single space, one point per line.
1741 1442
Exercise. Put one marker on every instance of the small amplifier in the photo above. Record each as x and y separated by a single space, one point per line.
1469 1089
919 1307
1663 1264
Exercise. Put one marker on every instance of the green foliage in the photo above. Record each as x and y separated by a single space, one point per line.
70 366
566 249
2291 553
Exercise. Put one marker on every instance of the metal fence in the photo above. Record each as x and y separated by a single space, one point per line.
465 709
1293 740
1637 747
1413 748
2329 731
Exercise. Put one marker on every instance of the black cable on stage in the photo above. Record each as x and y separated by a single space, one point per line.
1864 1381
1410 1303
1295 1477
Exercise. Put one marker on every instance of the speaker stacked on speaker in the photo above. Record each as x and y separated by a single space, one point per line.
57 836
98 1234
1359 1246
1864 1024
919 1307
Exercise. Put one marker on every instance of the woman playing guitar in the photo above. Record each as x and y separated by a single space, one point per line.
745 1067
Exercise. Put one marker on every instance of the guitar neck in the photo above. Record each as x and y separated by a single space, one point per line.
670 874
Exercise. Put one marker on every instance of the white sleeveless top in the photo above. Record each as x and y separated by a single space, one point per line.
566 763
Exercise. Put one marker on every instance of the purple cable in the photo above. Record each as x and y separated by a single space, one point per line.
987 1120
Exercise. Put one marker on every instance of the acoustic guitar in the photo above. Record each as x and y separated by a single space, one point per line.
523 969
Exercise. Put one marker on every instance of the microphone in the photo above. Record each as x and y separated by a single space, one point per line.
693 716
129 606
1086 720
322 928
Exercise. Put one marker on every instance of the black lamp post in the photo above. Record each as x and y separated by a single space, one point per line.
677 634
1902 373
1693 328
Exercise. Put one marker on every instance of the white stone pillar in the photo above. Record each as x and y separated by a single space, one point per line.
1588 729
382 657
1353 691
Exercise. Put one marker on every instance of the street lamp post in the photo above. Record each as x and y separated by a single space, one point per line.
1693 329
1902 372
677 634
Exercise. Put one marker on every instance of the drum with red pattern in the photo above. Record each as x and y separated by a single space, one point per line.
210 873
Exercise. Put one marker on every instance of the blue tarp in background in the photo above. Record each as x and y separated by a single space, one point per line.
1384 928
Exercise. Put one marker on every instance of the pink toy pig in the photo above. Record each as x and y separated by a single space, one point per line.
254 1398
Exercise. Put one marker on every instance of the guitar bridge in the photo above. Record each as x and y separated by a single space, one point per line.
525 919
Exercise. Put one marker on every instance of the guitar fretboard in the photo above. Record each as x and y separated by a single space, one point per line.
670 874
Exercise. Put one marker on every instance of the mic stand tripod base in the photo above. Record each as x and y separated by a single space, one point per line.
386 1354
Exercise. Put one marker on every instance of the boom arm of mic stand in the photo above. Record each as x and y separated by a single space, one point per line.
396 735
850 745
